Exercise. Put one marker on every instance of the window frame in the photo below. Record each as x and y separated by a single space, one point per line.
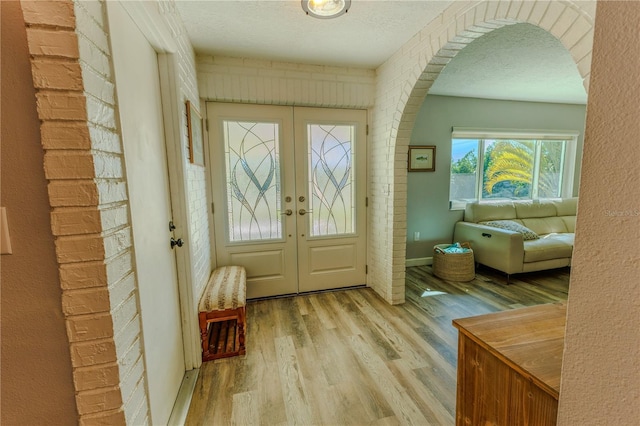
539 136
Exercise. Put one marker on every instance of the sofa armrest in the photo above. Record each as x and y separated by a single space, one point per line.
497 248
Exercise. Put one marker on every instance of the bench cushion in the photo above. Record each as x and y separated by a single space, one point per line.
226 289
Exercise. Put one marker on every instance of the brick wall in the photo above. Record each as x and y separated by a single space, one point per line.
87 192
72 71
280 83
401 85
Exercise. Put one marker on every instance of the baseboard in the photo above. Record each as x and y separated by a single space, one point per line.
419 261
183 401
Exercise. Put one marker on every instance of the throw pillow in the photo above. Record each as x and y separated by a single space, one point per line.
527 234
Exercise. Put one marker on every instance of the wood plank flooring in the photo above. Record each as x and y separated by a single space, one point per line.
349 358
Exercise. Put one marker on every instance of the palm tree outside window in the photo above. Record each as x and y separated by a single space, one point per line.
510 167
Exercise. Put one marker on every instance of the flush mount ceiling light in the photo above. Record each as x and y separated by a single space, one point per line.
325 9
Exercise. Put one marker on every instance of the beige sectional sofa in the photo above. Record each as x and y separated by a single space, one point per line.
487 227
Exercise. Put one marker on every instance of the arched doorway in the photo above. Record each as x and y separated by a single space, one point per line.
403 83
518 78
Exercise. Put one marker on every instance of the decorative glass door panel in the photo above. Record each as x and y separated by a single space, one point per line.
250 153
289 189
252 164
331 179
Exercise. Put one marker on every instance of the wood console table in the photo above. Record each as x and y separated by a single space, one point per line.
509 366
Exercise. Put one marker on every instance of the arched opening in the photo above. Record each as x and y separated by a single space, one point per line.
395 114
518 77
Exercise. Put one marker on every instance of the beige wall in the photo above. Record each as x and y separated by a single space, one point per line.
37 385
601 368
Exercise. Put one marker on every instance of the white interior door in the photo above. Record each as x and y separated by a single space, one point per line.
138 92
289 195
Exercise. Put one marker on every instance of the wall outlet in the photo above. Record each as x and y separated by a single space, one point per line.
416 236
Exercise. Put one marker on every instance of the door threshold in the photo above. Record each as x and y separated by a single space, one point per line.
331 290
306 293
278 296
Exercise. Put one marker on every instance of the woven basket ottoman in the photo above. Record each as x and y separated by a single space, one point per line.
453 266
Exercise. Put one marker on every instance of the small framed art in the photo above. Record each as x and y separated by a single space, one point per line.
422 158
194 126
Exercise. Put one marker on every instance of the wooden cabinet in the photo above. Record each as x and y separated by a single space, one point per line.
509 366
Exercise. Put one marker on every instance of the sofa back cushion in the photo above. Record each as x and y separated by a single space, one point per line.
529 209
566 206
545 225
515 226
550 215
569 222
476 212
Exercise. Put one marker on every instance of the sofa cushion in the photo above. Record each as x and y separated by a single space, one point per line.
551 246
527 209
566 206
510 225
569 222
482 212
545 225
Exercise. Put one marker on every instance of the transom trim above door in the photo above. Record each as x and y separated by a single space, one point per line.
290 183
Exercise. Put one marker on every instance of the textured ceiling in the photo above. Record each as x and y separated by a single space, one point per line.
280 30
520 62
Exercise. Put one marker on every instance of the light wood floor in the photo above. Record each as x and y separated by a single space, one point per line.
347 357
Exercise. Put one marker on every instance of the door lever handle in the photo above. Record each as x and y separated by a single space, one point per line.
302 212
179 242
288 212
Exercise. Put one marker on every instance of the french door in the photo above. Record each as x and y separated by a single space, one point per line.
289 191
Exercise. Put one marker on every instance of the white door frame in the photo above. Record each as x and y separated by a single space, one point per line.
293 178
172 107
146 16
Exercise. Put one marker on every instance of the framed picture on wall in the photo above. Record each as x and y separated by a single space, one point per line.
422 158
194 127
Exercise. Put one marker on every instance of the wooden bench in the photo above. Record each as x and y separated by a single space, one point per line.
222 315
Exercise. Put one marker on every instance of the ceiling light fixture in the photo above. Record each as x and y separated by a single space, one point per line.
325 9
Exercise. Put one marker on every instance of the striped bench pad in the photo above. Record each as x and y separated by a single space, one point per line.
226 289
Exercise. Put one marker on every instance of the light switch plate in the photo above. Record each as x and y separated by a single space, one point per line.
5 239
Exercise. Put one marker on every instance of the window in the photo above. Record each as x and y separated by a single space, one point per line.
498 165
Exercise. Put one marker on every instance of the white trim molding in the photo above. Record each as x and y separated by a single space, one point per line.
419 261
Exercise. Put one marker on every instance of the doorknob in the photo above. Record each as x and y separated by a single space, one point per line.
302 212
288 212
177 242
